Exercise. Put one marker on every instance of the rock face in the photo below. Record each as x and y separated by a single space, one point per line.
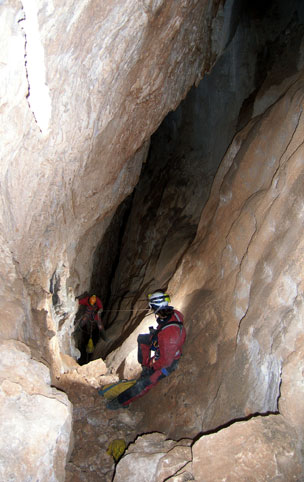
259 449
186 152
122 68
241 289
153 458
256 450
83 163
256 261
240 283
84 86
35 419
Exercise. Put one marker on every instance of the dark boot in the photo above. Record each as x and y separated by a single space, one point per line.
146 372
115 405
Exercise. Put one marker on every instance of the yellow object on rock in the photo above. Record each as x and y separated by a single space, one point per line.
112 390
90 346
117 448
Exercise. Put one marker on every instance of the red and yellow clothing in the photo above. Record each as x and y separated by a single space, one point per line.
92 311
166 342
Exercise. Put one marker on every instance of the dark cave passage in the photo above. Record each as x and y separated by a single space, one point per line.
153 227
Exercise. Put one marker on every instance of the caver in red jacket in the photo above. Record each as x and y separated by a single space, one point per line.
166 341
92 312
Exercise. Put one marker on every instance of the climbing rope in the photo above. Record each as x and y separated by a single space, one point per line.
139 309
77 326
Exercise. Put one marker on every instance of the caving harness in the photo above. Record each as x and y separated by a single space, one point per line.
154 339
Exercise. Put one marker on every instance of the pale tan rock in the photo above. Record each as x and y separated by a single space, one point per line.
94 369
103 94
18 367
256 450
292 390
239 285
35 419
68 362
84 85
184 474
153 458
93 374
172 462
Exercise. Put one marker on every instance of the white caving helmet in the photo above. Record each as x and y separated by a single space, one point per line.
158 300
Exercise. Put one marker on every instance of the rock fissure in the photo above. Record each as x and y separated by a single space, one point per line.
289 143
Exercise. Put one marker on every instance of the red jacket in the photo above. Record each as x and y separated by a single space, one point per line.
171 337
92 308
85 301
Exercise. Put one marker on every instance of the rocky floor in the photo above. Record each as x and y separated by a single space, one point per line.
94 427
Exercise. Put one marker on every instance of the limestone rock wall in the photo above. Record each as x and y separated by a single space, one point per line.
73 167
35 419
240 286
156 458
84 85
244 451
250 270
77 116
255 68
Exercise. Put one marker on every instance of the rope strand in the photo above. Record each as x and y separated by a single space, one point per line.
139 309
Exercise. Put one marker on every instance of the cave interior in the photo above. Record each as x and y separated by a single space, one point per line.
209 207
